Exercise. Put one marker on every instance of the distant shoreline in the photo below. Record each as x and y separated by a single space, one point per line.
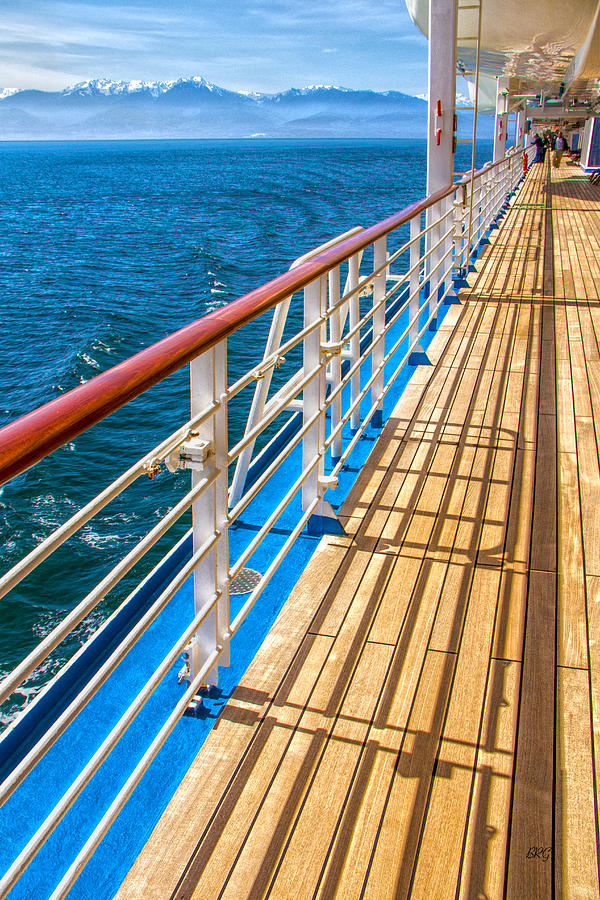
249 140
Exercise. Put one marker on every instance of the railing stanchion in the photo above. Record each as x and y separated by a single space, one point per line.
335 365
353 269
415 280
379 287
459 204
208 379
448 206
313 395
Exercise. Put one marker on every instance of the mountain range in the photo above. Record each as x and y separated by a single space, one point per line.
102 109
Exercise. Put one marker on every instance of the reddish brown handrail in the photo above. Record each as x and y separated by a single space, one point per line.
36 434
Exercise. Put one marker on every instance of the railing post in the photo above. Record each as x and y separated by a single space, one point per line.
335 365
458 236
482 196
311 396
447 264
414 283
323 519
379 289
208 380
353 270
434 264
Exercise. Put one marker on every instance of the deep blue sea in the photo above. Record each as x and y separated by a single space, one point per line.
107 247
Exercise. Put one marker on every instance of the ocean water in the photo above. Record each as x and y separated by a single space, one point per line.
105 248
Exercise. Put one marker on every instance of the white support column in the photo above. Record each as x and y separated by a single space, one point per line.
442 93
379 288
442 101
208 380
501 123
520 129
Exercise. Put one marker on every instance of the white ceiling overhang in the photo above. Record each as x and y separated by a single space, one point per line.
543 45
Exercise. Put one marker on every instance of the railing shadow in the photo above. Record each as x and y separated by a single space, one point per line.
422 761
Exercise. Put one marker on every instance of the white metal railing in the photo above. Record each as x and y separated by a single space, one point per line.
362 318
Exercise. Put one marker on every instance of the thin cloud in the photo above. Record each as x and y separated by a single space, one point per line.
52 43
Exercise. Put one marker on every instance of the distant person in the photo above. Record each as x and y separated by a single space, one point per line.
560 145
540 149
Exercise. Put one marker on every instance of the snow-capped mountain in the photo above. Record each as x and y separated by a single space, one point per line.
195 108
109 88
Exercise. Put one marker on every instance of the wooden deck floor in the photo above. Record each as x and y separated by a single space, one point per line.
424 718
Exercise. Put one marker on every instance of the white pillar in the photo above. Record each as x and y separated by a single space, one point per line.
520 129
442 101
208 378
442 93
501 122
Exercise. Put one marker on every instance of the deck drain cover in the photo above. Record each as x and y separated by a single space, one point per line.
245 581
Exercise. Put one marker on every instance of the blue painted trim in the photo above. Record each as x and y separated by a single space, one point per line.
377 419
270 451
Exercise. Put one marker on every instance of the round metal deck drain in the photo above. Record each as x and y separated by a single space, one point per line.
245 581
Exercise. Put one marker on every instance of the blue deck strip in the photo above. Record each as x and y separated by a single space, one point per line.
35 798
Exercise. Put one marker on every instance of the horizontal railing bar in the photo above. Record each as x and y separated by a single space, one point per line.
35 435
271 416
64 628
380 368
87 773
332 396
264 530
270 361
14 779
294 385
128 788
233 628
360 431
26 565
251 493
417 237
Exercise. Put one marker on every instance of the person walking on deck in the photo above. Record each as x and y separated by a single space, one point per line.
559 148
540 149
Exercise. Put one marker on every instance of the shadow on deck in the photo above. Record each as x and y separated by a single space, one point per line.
418 721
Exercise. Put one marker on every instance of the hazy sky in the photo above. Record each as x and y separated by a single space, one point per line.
263 45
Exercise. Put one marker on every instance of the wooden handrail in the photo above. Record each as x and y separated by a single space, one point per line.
38 433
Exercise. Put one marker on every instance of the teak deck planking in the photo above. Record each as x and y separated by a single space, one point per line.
423 719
